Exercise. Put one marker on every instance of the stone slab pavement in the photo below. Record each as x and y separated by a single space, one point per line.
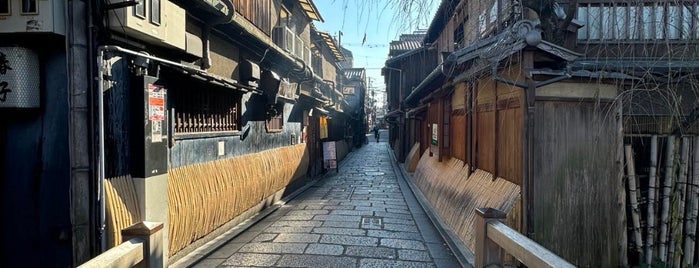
360 217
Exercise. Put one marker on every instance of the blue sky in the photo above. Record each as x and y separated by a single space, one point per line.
373 18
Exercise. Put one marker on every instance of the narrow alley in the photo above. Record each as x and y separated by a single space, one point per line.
363 216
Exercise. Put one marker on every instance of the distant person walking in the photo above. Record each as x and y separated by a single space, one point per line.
376 132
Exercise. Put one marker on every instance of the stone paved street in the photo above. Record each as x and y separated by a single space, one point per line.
365 216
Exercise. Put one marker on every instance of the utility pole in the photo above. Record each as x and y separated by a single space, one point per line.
372 103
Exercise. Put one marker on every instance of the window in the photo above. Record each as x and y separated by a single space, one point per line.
639 21
206 110
460 18
317 62
5 9
284 17
30 7
155 12
139 10
276 122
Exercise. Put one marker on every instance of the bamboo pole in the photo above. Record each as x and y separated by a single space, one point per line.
692 209
667 186
680 191
631 179
650 221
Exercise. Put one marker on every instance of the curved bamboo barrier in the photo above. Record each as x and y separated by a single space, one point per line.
455 194
121 207
413 158
204 196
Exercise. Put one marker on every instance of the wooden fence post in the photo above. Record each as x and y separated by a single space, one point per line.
486 251
153 249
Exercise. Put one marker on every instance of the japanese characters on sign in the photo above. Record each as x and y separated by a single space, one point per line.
156 111
4 85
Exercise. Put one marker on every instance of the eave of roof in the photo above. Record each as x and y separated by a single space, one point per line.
436 76
405 55
310 9
446 7
332 46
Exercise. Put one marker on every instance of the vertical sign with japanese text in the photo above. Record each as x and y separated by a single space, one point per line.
329 155
435 130
156 111
19 78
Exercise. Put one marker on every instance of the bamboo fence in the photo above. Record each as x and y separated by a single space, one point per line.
413 158
122 208
671 204
204 196
455 194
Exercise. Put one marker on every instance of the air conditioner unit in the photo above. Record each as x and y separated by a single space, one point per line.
284 38
157 22
286 89
23 16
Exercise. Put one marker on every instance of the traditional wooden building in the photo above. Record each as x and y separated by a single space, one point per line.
197 114
529 107
354 88
408 63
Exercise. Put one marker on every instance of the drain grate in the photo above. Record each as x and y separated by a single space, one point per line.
371 222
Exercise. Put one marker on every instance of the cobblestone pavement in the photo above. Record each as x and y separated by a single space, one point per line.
364 216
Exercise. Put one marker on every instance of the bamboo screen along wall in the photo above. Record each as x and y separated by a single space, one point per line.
455 194
122 207
205 196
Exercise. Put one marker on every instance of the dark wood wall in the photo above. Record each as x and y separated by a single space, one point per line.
484 126
575 185
458 134
256 11
498 122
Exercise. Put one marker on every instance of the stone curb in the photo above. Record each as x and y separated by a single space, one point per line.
461 252
210 247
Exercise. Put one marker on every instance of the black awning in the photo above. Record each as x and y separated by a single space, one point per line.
417 110
394 113
432 81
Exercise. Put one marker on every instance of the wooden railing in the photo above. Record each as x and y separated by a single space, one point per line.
142 247
493 236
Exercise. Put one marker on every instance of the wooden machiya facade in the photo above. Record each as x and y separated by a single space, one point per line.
409 62
542 99
354 89
229 108
193 114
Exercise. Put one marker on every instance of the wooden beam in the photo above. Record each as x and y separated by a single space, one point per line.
524 249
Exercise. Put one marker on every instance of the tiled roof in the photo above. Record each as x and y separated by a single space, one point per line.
355 73
310 9
330 43
404 46
412 37
406 42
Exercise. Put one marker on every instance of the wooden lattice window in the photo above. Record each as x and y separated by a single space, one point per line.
210 110
275 123
639 20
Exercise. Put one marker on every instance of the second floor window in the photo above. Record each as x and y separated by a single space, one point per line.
155 12
275 123
206 110
638 20
286 19
5 8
